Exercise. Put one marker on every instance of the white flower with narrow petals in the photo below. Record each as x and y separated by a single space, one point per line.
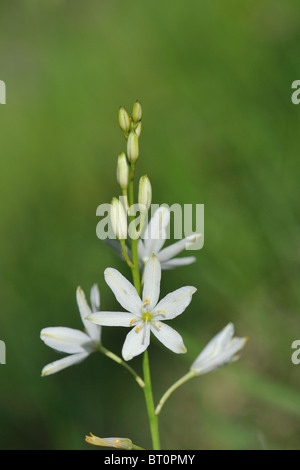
154 238
78 344
221 350
147 315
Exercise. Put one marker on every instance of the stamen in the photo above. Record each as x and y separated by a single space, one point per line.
137 329
144 332
132 321
156 325
162 311
146 301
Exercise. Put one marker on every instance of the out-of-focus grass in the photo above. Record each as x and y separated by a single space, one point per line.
219 128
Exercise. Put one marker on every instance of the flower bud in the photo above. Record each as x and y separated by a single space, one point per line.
138 129
118 219
132 147
221 350
124 119
137 111
122 171
116 442
145 194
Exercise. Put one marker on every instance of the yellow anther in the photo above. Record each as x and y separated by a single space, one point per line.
133 320
162 311
146 301
137 329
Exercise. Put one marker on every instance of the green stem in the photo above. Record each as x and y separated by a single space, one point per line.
169 392
153 420
125 254
120 361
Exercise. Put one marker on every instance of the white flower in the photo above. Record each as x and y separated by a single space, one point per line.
147 315
221 350
154 239
74 342
117 442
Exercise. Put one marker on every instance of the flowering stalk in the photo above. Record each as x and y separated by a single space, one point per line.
153 420
144 313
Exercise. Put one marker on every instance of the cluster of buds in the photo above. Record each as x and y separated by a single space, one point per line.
131 127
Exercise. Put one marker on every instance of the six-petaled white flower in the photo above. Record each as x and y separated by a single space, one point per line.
147 315
154 238
78 344
221 350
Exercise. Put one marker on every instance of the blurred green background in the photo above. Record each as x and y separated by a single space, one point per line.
219 128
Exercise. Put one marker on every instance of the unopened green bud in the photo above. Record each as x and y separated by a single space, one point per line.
145 194
132 147
137 111
124 119
118 219
122 171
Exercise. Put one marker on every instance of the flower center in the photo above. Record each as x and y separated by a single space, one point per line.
146 317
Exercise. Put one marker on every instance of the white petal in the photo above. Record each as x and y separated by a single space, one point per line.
92 330
177 262
215 346
174 303
225 336
66 340
137 341
61 364
124 291
95 298
152 277
113 318
169 337
222 359
155 234
176 248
